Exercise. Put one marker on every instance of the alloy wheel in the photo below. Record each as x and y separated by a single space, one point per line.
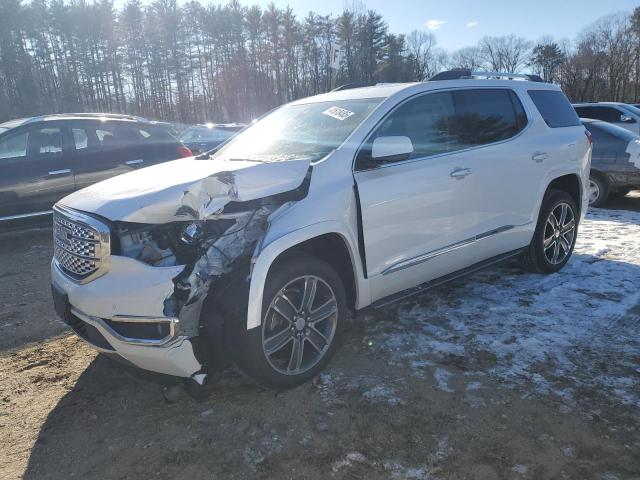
299 325
559 232
594 192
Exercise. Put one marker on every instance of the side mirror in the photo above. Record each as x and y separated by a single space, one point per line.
391 149
624 118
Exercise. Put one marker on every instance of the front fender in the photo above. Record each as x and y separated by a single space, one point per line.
266 256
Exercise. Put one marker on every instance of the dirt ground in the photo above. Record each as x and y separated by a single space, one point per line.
502 375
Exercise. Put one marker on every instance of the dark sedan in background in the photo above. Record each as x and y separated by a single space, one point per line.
615 162
201 138
43 159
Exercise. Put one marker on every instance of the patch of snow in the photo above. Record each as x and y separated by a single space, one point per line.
520 469
442 379
551 333
348 461
383 394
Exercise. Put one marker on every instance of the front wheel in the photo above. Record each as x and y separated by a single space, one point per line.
555 234
304 308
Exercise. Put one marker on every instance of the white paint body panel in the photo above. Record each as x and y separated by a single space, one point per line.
408 210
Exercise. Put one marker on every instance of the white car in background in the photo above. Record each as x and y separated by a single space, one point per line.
256 252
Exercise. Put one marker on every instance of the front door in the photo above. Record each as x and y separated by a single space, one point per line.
35 170
416 213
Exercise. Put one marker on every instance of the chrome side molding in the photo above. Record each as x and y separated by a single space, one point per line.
411 262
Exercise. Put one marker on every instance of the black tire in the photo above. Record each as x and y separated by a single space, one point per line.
536 257
621 193
250 355
602 188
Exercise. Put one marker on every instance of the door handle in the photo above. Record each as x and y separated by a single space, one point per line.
134 162
60 172
460 173
539 156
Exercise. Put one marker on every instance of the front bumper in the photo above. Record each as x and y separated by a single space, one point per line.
122 313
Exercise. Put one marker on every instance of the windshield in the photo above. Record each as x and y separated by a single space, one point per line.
205 134
310 130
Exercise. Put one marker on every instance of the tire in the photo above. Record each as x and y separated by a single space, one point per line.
559 246
598 191
621 193
286 326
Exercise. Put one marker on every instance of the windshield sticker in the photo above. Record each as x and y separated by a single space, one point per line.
337 112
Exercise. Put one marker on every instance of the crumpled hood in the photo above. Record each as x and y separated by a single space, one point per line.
186 189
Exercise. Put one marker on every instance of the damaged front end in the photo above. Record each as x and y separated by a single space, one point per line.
216 242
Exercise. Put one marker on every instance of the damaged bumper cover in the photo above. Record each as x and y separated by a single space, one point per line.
112 314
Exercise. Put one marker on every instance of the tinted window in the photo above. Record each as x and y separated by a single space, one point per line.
583 112
449 121
427 121
606 114
485 116
554 108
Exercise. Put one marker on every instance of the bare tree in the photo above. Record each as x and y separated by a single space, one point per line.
421 46
505 54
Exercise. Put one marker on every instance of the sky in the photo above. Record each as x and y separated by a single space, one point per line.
460 23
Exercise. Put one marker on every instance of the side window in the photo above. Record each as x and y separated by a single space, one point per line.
44 143
448 121
606 114
425 120
555 108
584 112
14 145
485 116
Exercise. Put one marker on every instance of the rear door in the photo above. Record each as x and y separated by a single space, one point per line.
35 169
153 145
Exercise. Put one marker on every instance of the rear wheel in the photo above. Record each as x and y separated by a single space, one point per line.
598 191
555 235
304 307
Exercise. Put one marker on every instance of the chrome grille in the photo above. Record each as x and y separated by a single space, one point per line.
80 244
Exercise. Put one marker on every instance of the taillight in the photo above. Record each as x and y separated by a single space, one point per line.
184 151
589 137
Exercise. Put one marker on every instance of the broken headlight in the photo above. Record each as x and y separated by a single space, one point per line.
192 233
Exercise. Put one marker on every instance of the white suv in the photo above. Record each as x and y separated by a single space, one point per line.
255 253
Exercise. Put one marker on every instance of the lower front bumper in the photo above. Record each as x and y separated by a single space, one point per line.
170 354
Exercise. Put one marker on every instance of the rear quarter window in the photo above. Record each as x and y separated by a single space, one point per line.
555 108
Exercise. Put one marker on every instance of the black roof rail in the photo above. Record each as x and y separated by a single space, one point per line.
465 73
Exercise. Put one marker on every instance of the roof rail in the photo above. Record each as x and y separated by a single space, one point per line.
465 73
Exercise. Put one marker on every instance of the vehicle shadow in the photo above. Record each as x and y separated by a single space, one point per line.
116 423
629 202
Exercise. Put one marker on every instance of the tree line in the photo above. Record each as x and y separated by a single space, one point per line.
230 62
